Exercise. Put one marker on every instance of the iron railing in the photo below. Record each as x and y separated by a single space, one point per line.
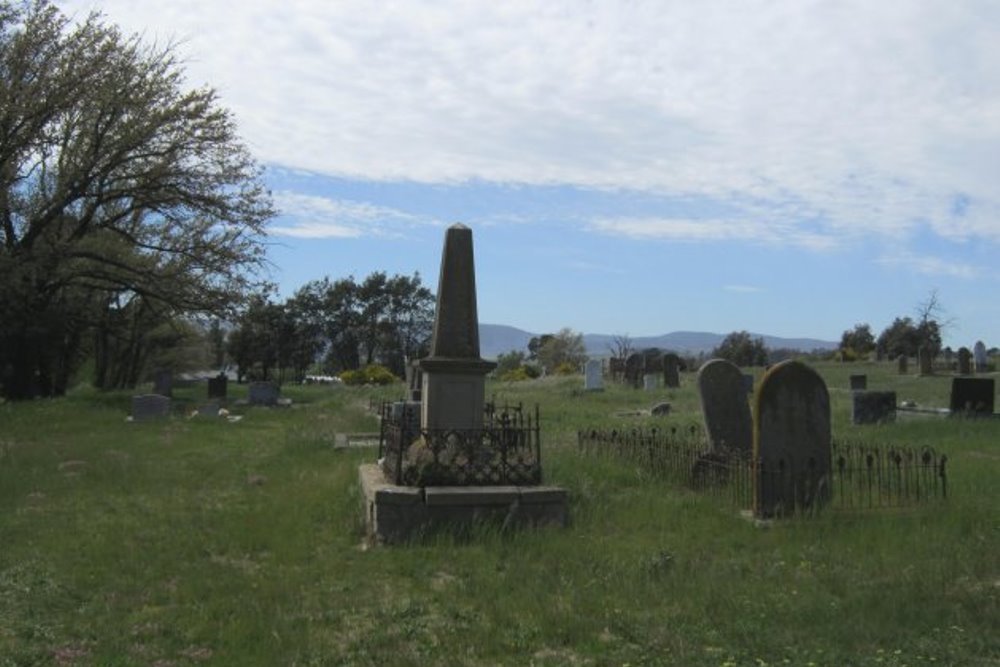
505 451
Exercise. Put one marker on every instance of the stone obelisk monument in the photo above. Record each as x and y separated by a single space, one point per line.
454 375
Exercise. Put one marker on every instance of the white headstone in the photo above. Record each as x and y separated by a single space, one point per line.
593 379
979 353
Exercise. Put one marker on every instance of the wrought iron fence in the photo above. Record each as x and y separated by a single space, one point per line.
861 475
506 450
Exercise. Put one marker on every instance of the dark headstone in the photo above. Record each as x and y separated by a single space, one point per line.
163 383
859 382
964 361
150 406
218 387
722 387
792 441
634 370
903 362
926 361
263 393
972 397
671 370
873 407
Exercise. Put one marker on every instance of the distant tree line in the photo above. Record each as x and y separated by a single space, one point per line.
334 326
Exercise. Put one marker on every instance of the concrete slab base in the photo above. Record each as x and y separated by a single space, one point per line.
396 514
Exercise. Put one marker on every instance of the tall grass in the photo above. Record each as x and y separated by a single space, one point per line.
204 542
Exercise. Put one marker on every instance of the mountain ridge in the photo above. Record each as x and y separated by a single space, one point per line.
495 339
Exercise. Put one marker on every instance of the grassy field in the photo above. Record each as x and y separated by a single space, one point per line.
190 542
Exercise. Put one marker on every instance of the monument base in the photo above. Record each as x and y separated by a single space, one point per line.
396 514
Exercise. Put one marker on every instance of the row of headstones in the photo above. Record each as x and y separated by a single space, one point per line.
163 384
157 404
789 435
965 360
635 372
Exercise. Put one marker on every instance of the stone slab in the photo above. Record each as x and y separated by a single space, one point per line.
470 495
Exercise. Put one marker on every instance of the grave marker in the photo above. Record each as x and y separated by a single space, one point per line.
926 361
148 407
964 361
593 379
263 393
859 382
982 359
724 406
972 397
163 383
792 441
671 370
218 387
873 407
903 364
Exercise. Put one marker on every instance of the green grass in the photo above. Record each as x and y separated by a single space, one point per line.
198 542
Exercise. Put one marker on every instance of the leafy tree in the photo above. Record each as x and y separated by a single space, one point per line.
116 186
906 336
741 349
536 344
857 342
563 349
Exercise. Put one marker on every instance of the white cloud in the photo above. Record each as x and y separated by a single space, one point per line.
310 216
871 116
931 266
715 229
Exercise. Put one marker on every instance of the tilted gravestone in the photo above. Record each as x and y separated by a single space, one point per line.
926 361
593 379
903 361
150 406
964 361
218 387
873 407
263 393
982 359
792 441
724 406
671 370
163 383
972 397
859 382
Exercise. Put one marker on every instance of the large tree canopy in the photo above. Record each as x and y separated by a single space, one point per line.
117 187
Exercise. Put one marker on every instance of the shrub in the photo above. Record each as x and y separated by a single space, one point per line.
516 375
566 368
373 374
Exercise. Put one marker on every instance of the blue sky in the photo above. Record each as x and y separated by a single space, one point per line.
785 167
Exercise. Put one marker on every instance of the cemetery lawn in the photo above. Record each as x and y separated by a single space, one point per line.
195 541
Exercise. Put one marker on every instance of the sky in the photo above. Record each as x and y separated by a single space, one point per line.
786 167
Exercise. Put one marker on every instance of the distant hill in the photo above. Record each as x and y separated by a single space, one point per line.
495 339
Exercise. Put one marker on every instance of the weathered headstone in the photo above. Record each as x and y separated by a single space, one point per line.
792 441
150 406
633 370
903 364
616 369
724 405
210 409
671 370
873 407
593 379
263 393
982 359
454 375
163 383
926 361
972 397
650 381
218 387
964 361
859 382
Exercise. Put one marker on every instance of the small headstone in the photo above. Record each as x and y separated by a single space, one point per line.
218 386
792 441
150 406
926 361
633 370
859 382
964 361
593 379
671 370
724 405
972 397
982 359
903 362
660 410
649 381
263 393
163 383
873 407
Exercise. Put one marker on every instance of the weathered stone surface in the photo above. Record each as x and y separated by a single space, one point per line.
724 406
660 409
218 386
792 441
633 370
650 381
671 370
263 393
150 406
593 378
210 409
873 407
972 397
859 382
926 361
470 495
982 359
